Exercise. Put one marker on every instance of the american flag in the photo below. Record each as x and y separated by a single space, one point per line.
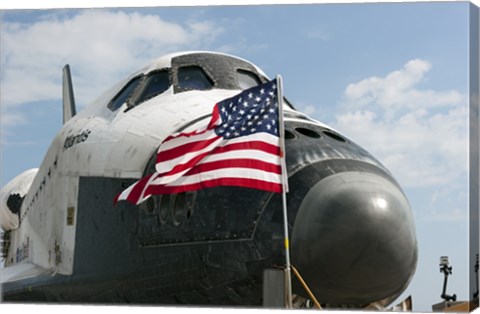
240 146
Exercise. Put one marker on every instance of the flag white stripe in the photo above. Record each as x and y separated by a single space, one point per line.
182 140
225 173
263 137
168 165
127 191
243 154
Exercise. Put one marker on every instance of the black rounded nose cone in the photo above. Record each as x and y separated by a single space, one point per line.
354 239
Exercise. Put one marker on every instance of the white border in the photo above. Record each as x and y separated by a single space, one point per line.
51 4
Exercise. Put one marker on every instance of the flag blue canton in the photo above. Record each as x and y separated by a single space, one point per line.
252 111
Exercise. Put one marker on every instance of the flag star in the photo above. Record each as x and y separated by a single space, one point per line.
269 126
253 130
236 134
245 104
257 99
223 109
250 95
241 112
232 127
227 134
249 123
262 91
234 108
271 110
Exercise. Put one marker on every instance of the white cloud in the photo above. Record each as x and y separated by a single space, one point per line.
397 91
12 118
420 135
454 215
449 203
100 45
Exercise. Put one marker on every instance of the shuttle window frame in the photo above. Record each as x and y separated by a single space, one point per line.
125 94
247 79
150 88
193 77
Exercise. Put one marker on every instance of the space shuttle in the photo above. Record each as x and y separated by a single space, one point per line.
352 231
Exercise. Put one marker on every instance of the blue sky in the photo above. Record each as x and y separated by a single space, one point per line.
393 77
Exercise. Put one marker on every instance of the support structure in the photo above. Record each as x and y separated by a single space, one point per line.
447 270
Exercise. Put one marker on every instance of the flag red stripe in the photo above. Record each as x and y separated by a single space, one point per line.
180 150
240 182
136 192
215 117
182 167
235 163
199 145
254 145
249 145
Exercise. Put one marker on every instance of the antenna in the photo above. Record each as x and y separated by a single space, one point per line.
447 270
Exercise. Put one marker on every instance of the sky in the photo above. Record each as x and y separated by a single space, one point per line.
393 77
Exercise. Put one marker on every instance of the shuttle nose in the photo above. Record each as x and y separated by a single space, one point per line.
354 240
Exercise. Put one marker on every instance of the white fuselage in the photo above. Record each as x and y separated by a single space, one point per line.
98 142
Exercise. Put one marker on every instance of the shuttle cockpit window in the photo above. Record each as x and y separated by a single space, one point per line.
124 94
247 79
155 84
193 78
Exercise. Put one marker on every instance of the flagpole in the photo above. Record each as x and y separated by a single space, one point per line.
284 191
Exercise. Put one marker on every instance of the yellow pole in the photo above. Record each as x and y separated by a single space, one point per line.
295 271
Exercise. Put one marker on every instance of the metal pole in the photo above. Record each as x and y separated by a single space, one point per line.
285 190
